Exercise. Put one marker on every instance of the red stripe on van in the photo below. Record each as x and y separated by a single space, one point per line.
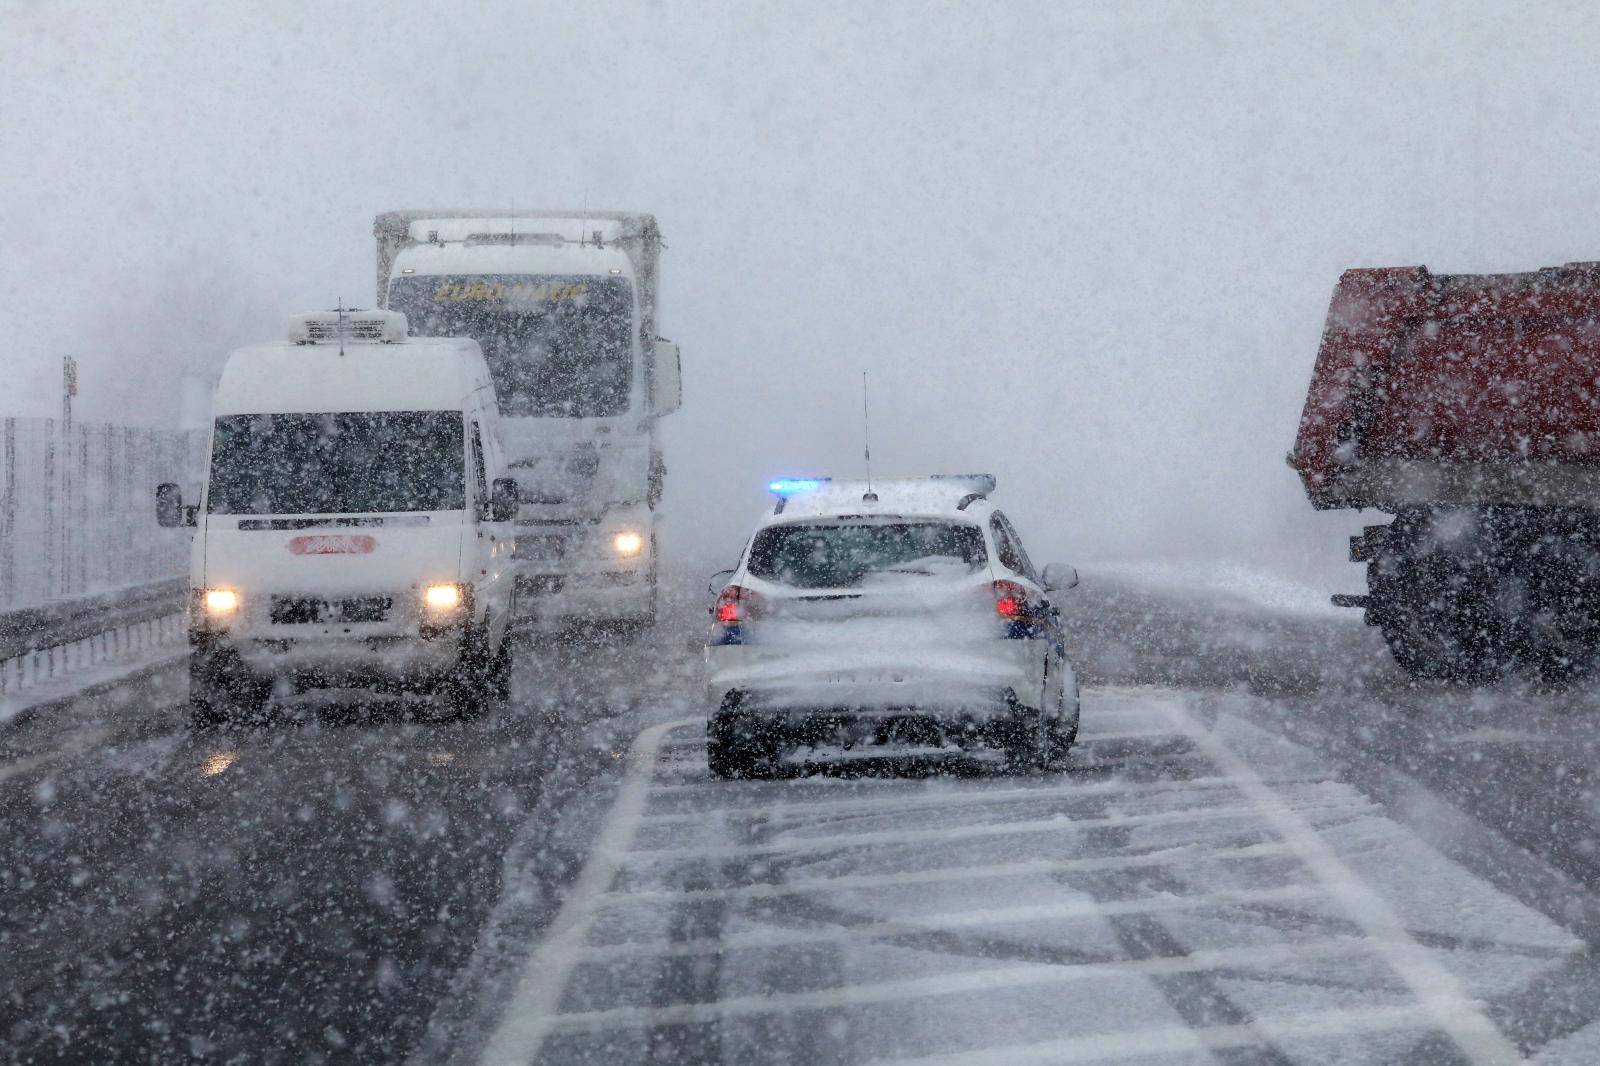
333 544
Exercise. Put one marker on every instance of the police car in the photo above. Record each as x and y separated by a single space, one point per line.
901 612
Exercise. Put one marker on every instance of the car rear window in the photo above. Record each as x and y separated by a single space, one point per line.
845 555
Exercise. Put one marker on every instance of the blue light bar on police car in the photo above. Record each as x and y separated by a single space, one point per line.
792 486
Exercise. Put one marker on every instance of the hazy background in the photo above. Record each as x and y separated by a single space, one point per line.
1085 247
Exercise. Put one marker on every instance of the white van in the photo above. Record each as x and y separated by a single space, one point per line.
355 527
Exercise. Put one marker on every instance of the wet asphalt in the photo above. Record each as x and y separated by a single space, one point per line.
314 888
298 890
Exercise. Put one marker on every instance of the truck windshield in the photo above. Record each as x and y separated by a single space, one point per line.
809 555
349 463
558 346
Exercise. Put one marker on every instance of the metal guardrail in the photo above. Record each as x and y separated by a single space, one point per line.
40 644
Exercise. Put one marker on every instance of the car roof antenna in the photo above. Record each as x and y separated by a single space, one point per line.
866 440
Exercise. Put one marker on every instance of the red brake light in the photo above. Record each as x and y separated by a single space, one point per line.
735 604
1010 600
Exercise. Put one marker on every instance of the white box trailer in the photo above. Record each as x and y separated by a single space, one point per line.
565 307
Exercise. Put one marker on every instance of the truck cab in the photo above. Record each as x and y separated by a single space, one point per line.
564 308
354 528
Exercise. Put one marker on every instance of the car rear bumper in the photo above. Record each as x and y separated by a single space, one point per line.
977 683
989 722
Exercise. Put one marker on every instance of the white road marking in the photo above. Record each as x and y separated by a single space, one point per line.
531 1010
945 834
1187 854
777 937
991 979
1177 1039
901 801
81 742
1454 1012
1139 758
1442 1001
1493 735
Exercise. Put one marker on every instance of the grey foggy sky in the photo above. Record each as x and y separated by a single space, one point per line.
1086 247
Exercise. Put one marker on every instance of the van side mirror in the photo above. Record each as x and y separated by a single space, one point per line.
503 499
718 580
666 379
1058 577
170 512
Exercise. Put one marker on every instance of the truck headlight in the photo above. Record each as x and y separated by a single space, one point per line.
221 601
628 543
443 597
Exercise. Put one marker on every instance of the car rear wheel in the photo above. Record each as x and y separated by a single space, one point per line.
1064 730
1026 742
736 747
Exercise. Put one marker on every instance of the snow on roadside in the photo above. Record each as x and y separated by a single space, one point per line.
1259 587
87 679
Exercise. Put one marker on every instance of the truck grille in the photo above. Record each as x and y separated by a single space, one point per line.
543 548
309 610
540 584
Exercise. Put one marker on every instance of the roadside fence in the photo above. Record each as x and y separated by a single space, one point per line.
86 575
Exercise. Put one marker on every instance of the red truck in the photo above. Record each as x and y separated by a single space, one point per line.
1468 407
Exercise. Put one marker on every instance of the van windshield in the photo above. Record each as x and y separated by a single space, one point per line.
338 463
809 555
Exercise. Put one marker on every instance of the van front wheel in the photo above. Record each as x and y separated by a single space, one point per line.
502 669
221 691
472 684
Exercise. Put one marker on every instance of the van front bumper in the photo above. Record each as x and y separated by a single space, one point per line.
340 661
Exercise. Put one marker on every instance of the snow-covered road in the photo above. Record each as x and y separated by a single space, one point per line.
1264 850
1180 889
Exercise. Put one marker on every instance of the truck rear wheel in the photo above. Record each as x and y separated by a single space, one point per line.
1465 602
1437 618
1559 620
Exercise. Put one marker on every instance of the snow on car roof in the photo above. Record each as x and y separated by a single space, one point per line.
935 494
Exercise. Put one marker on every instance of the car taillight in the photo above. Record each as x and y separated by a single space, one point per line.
735 604
1011 600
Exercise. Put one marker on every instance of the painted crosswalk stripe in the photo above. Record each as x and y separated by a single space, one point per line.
987 917
946 834
970 982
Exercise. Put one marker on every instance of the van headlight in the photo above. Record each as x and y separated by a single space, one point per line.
628 542
442 597
220 602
